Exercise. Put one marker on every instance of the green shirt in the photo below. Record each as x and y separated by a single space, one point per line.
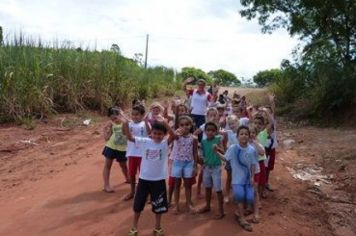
262 138
117 140
211 159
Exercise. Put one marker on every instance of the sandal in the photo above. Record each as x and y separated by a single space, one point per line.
158 232
203 210
133 232
255 220
219 216
245 225
109 190
129 197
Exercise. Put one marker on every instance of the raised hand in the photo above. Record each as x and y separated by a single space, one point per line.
159 118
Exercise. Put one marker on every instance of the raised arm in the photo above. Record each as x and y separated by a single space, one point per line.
270 119
127 132
258 147
148 127
107 131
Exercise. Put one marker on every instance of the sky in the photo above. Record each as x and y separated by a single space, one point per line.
207 34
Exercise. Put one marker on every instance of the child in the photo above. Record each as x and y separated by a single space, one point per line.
243 158
259 173
138 128
232 124
115 147
179 110
222 115
262 137
237 111
272 144
212 115
212 168
185 156
153 173
156 109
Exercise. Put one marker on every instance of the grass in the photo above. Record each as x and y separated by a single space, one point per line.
37 80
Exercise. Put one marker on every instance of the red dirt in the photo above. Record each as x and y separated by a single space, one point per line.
54 187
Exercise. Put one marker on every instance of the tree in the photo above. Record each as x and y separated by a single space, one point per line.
196 73
224 78
138 58
115 48
318 22
323 74
266 77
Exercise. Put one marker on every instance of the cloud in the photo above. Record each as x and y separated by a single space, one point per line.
206 34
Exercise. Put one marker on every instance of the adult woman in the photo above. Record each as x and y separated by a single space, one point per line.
200 99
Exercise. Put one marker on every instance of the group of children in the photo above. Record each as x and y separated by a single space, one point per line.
238 139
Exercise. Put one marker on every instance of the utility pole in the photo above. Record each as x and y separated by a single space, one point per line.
147 36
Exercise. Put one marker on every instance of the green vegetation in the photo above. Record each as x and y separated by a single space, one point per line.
196 73
224 78
37 80
266 77
322 78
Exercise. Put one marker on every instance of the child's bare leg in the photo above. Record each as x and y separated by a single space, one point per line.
261 190
241 218
124 170
188 194
106 175
170 194
200 181
158 221
206 208
256 210
136 218
220 205
177 184
132 186
228 185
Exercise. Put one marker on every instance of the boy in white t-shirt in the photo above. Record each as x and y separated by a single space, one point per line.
153 172
137 128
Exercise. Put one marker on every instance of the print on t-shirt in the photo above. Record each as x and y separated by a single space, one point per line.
119 137
153 154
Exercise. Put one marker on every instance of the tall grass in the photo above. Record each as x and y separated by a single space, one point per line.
38 79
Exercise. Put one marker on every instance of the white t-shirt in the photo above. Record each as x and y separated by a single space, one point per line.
199 103
244 121
137 130
202 128
154 163
231 138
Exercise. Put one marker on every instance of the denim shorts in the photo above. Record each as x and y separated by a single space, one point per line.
212 177
182 169
243 193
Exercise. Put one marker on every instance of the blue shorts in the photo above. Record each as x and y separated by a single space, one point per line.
212 177
182 169
243 193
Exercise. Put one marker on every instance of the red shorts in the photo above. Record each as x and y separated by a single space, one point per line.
189 182
261 178
134 165
272 158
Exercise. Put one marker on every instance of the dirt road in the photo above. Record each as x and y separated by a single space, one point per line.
51 184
